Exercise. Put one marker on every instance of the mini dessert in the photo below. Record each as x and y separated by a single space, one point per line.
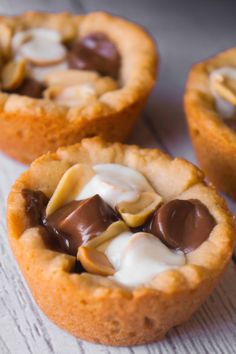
210 106
65 77
118 244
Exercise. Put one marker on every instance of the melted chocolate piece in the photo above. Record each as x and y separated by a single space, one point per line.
95 52
182 224
79 221
231 123
36 202
30 88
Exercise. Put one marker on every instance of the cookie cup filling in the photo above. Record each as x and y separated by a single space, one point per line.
97 308
35 126
210 118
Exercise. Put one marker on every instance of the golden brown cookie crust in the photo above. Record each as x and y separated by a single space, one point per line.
96 308
213 141
31 127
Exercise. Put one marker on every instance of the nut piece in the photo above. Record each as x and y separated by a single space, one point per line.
136 213
5 40
13 74
102 248
112 231
75 88
70 77
226 88
71 96
69 186
105 84
40 72
95 262
43 52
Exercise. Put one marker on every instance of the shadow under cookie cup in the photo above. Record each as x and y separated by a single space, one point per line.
31 127
96 308
214 142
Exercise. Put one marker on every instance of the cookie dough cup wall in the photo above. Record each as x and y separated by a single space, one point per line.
214 142
31 127
96 308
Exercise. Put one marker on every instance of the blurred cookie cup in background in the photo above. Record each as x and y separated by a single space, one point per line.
210 107
65 77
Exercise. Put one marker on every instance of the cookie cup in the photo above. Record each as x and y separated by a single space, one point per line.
96 308
213 141
31 127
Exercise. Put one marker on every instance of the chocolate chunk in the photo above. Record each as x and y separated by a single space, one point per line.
231 123
36 202
79 221
182 224
30 88
95 52
52 240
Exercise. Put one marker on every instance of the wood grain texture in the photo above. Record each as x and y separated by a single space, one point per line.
182 39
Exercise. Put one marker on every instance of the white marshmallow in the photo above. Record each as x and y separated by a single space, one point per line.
138 258
48 34
116 247
115 183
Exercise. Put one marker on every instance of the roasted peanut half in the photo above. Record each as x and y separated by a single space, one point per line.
102 248
112 231
105 84
71 96
136 213
69 186
5 40
13 74
95 262
70 77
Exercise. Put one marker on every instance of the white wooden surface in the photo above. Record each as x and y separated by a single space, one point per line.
186 33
